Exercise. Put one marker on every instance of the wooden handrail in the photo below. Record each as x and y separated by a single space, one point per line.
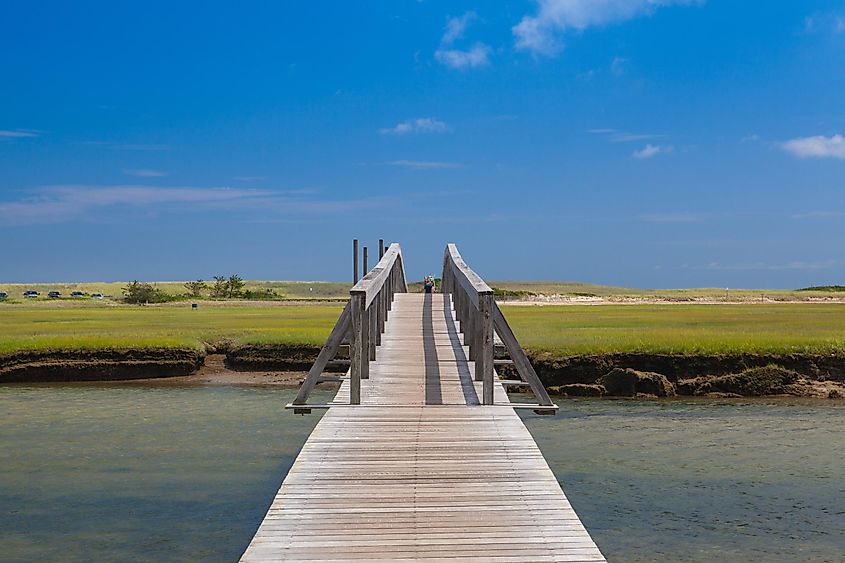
370 302
374 280
464 275
473 302
480 317
362 324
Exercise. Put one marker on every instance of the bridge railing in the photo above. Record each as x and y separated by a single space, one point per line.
361 324
473 302
479 317
371 301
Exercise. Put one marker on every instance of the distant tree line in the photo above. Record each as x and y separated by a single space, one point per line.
232 287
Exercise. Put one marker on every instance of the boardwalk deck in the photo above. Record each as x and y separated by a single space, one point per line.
420 471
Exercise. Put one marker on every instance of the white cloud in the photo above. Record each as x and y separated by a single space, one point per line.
424 164
818 146
455 28
417 125
17 133
477 55
539 33
650 151
145 173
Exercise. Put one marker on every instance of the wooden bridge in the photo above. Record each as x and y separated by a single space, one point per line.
421 455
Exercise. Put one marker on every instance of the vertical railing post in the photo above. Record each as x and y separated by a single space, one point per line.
484 355
366 269
366 338
354 261
357 302
373 331
380 248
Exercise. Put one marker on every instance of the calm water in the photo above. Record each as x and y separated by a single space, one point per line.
90 472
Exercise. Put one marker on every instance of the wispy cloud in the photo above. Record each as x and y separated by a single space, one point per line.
619 66
818 215
540 33
475 56
248 178
55 204
417 125
818 146
681 217
825 22
424 164
456 26
18 133
145 173
617 136
650 151
127 146
803 265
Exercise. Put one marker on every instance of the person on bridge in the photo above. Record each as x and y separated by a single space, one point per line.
429 284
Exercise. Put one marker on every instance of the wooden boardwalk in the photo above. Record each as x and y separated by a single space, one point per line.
420 470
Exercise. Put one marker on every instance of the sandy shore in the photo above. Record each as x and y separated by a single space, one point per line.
215 372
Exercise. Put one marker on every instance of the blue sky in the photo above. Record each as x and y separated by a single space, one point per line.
650 143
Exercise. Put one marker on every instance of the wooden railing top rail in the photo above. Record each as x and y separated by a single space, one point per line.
375 279
469 280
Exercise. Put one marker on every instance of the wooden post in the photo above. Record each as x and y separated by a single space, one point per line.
372 333
484 355
366 337
380 248
355 350
355 261
366 263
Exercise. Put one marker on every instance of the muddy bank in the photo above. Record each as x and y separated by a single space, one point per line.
99 365
627 375
587 369
265 364
274 357
771 380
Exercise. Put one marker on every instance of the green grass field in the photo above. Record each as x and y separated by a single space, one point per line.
84 326
685 329
562 330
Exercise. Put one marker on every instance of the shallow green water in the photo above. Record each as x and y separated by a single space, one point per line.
131 473
703 481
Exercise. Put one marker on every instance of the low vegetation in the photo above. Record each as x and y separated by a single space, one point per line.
91 326
559 330
681 329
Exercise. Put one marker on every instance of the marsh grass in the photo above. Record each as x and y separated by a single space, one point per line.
34 327
681 329
562 330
